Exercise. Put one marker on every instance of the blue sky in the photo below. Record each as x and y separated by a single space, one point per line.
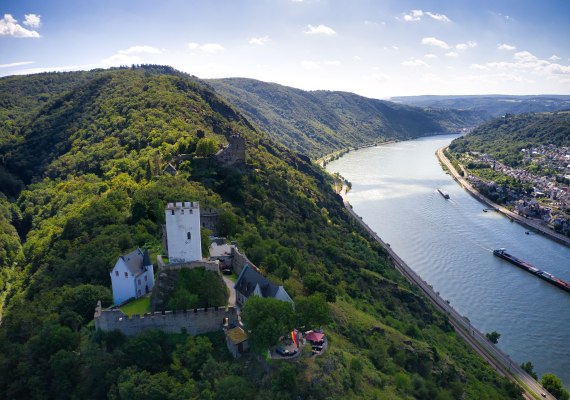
376 48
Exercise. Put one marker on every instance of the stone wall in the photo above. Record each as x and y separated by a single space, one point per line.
193 322
213 266
208 219
239 261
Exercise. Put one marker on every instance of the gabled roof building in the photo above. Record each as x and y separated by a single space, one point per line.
252 283
132 276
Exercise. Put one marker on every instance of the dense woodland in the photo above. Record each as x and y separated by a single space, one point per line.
82 155
319 122
504 138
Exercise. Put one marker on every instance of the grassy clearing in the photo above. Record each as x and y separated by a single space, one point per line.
138 306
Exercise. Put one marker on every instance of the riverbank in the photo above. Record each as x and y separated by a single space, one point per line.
526 222
339 153
500 361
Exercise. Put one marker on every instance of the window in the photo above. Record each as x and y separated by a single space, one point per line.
172 212
126 274
139 281
145 278
188 235
116 273
182 211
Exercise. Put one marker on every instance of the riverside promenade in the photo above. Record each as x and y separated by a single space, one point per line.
536 225
499 360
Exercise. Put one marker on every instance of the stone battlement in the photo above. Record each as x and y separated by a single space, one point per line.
185 204
193 321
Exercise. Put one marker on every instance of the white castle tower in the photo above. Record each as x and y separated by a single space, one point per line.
183 232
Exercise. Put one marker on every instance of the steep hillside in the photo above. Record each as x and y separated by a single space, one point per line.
90 159
504 138
491 106
319 122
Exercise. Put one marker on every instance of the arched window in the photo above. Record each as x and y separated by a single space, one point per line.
188 235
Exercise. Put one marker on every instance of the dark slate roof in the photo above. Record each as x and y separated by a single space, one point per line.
250 278
146 258
136 261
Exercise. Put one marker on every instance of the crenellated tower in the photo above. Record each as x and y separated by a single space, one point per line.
183 232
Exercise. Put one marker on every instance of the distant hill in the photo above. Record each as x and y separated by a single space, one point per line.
491 105
318 122
504 137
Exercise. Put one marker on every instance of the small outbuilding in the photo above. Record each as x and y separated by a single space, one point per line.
236 340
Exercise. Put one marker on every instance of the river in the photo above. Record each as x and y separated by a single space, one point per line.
449 244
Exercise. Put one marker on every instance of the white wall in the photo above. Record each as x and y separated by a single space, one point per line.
123 288
183 219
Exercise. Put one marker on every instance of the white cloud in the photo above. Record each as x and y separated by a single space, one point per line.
121 59
16 64
130 56
414 63
313 65
416 15
438 17
310 65
39 70
259 41
554 57
452 54
525 63
9 27
479 67
141 50
413 16
319 30
506 47
430 56
431 41
380 77
525 56
464 46
211 48
32 20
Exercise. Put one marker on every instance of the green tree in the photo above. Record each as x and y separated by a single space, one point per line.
142 385
205 241
227 224
266 319
529 368
206 147
493 337
189 357
312 311
234 387
553 384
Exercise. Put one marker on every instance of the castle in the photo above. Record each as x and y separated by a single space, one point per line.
234 153
183 238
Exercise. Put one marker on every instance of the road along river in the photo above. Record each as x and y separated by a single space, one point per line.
449 244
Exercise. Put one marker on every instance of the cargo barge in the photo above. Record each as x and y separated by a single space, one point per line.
502 253
443 193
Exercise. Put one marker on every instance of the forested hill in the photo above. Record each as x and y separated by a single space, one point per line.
491 105
505 137
89 156
318 122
